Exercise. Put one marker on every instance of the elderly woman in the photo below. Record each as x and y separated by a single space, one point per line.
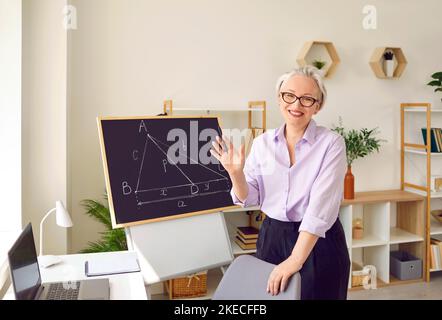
296 175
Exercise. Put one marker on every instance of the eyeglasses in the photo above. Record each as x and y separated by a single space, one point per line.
291 98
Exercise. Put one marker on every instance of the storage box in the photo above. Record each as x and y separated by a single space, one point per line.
405 266
191 286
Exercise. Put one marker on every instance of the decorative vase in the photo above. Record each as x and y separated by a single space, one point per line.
389 68
349 184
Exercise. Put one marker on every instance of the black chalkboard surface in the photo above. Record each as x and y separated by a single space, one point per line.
159 168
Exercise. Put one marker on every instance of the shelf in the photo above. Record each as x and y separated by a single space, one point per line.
382 196
424 153
390 217
236 249
422 109
401 236
227 109
418 249
368 241
436 228
379 284
434 195
253 107
435 270
394 281
323 50
377 59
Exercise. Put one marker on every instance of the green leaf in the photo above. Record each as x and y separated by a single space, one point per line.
438 89
111 239
434 83
318 64
359 143
437 75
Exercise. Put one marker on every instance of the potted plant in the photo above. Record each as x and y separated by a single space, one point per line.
111 239
359 143
389 63
319 64
436 82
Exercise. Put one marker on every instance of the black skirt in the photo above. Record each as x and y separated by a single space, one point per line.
325 273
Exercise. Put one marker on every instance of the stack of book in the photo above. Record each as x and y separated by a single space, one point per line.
436 249
436 138
246 237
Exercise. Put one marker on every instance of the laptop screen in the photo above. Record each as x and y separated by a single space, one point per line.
25 272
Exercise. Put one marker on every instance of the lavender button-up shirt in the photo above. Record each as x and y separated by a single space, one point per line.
311 190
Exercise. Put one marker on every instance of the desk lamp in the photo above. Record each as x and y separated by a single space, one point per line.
63 219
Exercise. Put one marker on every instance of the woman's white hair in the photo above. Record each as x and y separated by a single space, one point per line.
309 72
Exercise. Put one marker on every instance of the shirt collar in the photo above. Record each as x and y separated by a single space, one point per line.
309 134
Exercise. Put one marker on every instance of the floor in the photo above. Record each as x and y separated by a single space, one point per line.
417 291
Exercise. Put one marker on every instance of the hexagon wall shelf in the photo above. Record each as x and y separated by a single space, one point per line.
323 50
377 59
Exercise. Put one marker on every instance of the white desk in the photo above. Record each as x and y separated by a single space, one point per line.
126 286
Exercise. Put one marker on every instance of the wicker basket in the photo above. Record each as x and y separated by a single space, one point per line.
357 275
191 286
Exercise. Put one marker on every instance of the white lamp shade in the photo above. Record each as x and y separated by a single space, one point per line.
62 216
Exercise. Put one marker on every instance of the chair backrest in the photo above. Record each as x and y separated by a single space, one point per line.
246 279
172 248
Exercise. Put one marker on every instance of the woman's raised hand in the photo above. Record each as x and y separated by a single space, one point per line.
231 159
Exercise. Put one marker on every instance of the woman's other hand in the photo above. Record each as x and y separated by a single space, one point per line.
281 274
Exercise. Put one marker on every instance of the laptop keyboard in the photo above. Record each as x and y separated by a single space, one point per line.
69 291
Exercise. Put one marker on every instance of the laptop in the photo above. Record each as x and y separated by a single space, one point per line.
26 278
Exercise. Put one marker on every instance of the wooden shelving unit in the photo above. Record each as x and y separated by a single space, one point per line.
253 107
376 62
323 50
392 220
432 227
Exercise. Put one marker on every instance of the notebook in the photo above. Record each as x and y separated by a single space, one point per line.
105 265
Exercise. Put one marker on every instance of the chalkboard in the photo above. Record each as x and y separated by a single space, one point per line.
160 168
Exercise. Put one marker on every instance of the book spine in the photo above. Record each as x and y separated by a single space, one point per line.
432 260
439 251
439 138
434 147
436 140
437 255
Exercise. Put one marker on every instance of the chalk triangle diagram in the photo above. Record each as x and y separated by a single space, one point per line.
160 178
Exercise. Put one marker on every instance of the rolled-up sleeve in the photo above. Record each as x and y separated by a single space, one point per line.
250 172
327 191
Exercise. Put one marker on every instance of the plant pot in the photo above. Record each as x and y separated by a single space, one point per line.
349 184
358 233
389 68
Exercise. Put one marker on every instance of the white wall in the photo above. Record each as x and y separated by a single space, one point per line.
44 117
10 114
127 56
